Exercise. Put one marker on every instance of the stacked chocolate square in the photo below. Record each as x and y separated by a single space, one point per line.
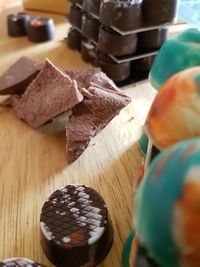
120 36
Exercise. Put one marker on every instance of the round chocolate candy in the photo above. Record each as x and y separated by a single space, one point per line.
75 16
74 39
143 64
75 227
17 24
88 51
90 27
41 29
159 11
125 15
123 45
92 6
116 71
151 40
13 262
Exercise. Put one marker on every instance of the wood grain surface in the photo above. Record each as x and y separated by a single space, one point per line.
33 162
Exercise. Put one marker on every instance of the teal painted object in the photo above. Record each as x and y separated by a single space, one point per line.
178 53
143 143
162 186
126 250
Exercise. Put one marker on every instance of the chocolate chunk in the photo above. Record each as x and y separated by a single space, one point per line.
50 94
123 45
17 24
92 6
88 51
41 29
13 262
75 16
16 79
90 27
91 116
75 227
74 39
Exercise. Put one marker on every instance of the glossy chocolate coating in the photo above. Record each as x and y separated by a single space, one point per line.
116 72
88 51
90 27
124 15
75 227
75 16
143 64
74 39
152 40
13 262
159 11
91 6
17 24
111 42
41 29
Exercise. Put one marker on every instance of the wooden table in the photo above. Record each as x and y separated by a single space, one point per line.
33 162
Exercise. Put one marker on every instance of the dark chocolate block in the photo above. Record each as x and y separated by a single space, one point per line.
88 51
99 107
75 16
17 24
16 79
90 27
142 64
49 95
159 11
125 15
13 262
41 29
111 42
92 6
152 40
74 39
75 227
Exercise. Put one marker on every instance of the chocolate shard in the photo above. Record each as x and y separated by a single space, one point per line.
16 79
50 94
90 117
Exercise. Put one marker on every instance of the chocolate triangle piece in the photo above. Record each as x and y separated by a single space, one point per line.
89 117
50 94
16 79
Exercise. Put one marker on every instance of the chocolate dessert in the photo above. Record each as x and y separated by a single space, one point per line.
75 16
92 6
99 107
142 64
159 11
90 27
50 94
17 24
122 45
88 51
75 227
74 39
125 15
152 40
41 29
16 79
13 262
79 2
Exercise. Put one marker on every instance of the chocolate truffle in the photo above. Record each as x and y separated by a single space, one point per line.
75 227
13 262
92 6
17 24
152 40
41 29
50 94
88 51
125 15
159 11
74 39
100 105
122 45
16 79
116 71
90 27
143 64
75 16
